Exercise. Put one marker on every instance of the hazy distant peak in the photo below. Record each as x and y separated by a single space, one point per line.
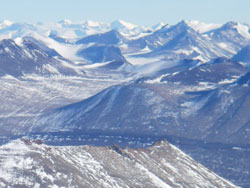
242 29
5 23
91 23
119 24
159 26
65 22
202 27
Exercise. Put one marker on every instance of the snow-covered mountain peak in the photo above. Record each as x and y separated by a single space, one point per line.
120 24
183 23
182 26
18 41
242 29
17 30
65 22
129 29
5 23
158 26
202 27
91 23
230 24
163 29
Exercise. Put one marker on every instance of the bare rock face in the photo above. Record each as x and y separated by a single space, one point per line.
27 163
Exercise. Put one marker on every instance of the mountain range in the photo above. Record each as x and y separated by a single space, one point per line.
118 83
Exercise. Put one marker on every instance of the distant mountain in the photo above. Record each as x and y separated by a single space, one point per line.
65 28
5 23
29 57
77 30
179 42
54 35
104 54
122 25
232 36
202 27
128 28
15 30
218 71
162 36
186 39
158 26
112 37
93 24
167 33
189 44
35 164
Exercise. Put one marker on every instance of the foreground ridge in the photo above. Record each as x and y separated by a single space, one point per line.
28 163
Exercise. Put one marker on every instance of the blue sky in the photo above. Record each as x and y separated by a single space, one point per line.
142 12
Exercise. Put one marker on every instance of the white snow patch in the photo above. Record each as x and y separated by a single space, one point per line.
156 80
202 27
222 45
120 24
186 52
175 73
95 65
5 23
91 23
243 30
68 51
226 81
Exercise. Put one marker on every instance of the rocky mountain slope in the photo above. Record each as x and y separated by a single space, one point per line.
212 112
31 57
29 163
